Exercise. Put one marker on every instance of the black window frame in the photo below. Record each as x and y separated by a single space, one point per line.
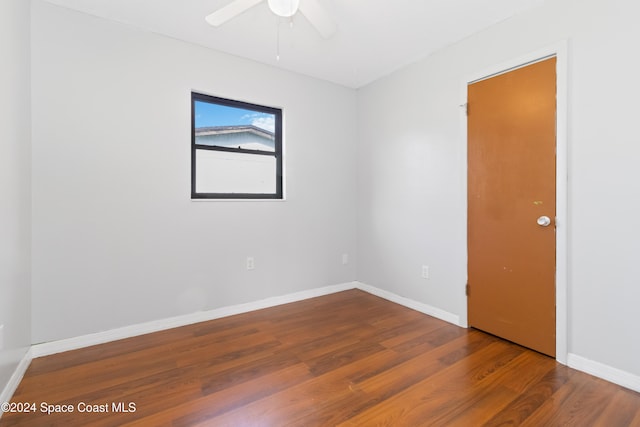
277 153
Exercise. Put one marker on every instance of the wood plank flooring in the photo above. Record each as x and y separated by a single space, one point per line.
346 359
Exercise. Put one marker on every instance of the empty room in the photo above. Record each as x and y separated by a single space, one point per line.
319 213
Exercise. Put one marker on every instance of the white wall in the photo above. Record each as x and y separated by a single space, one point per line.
116 239
15 185
412 207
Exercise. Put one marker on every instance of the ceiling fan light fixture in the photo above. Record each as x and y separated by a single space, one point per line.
284 8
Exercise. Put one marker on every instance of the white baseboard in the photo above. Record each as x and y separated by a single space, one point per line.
14 381
606 372
614 375
53 347
414 305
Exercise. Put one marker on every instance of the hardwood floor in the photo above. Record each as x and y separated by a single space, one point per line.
347 359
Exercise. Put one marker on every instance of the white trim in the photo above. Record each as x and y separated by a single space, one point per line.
53 347
409 303
606 372
562 201
14 381
560 51
614 375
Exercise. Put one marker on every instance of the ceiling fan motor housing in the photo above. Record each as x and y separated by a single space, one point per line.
284 8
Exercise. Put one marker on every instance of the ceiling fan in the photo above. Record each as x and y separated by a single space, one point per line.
311 9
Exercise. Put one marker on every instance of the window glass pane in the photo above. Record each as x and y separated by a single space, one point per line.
231 127
236 149
226 172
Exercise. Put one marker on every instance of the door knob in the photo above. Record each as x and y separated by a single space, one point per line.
544 221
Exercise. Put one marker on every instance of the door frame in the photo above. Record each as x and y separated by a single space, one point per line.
560 51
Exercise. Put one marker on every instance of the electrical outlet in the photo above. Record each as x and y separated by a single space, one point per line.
345 259
425 271
250 263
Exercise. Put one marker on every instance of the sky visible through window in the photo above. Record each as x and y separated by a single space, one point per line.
208 114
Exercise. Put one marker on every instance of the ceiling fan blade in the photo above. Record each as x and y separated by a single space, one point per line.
230 11
318 17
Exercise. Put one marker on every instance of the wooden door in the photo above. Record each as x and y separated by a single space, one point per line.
511 185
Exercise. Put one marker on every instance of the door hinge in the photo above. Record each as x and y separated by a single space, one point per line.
466 289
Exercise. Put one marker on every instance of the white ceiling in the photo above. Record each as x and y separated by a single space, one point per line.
373 38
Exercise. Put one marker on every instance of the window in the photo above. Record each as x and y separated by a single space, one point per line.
236 149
